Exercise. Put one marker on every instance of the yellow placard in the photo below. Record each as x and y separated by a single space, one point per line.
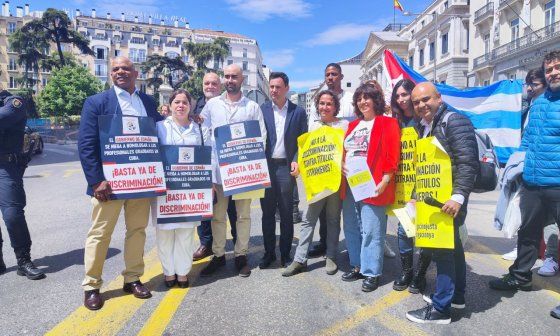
320 161
254 194
360 178
405 178
433 178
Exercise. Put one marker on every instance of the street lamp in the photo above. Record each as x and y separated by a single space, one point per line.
436 15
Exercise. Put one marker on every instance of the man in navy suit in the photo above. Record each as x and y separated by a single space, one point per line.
124 99
285 122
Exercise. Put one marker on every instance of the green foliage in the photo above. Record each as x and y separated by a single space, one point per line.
194 84
66 91
163 67
29 45
53 61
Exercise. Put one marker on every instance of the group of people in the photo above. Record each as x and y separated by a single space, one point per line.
372 132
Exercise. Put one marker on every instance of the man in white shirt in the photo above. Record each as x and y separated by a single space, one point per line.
228 108
285 122
122 99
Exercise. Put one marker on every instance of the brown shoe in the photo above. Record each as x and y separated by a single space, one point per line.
242 266
202 252
93 299
138 289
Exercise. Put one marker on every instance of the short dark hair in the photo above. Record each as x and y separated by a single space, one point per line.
334 97
535 74
334 65
406 84
369 91
178 92
277 74
549 57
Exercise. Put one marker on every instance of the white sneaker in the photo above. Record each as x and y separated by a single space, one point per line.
510 255
549 268
388 252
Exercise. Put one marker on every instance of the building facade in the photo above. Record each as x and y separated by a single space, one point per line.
510 37
438 42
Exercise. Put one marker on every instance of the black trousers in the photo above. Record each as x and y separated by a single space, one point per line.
278 196
537 204
12 202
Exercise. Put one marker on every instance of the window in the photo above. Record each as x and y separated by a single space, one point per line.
514 26
411 61
12 83
11 27
348 84
245 66
101 70
422 23
84 24
186 59
244 52
143 87
12 65
444 44
216 62
412 33
245 78
486 82
117 53
432 51
100 53
172 54
486 40
445 5
229 62
44 81
549 13
141 55
421 60
467 43
137 40
133 54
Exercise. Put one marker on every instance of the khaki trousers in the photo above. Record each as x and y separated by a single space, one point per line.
104 218
219 224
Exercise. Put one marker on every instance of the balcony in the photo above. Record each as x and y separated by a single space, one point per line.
504 3
518 45
100 38
484 13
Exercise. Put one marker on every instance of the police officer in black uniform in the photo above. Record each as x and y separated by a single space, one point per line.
12 195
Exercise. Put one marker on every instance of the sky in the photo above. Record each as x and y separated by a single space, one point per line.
298 37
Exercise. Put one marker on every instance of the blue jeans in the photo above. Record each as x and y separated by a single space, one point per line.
406 244
12 202
365 227
451 274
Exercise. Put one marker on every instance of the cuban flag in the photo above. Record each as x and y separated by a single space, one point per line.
494 109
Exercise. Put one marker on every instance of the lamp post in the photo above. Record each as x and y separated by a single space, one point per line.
436 16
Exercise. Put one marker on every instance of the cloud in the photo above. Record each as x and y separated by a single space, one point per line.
278 58
262 10
342 33
305 84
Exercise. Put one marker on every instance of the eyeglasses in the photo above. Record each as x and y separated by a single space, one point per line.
533 85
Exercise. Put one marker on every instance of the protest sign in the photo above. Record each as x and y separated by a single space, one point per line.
241 157
320 160
405 178
359 179
130 155
433 179
188 174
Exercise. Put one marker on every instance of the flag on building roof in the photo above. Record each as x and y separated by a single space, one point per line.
397 5
494 109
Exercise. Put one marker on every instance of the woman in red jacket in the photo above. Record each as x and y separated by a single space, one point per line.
374 138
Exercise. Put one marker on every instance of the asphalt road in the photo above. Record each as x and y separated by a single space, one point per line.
58 214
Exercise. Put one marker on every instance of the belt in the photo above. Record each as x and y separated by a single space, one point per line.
279 161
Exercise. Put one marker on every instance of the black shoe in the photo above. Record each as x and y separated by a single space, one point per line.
508 282
353 275
370 284
28 269
242 266
285 261
555 312
170 283
213 266
317 250
183 284
266 261
418 283
405 278
2 264
428 314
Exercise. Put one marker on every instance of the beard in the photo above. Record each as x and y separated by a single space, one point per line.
233 89
554 86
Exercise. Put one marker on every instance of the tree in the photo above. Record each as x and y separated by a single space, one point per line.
201 54
55 27
53 62
156 64
29 45
66 91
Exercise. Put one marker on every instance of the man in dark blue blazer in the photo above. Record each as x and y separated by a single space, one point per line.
285 122
123 99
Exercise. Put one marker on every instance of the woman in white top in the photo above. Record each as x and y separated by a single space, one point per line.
175 242
328 105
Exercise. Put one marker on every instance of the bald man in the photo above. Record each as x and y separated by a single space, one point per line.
228 108
456 134
122 99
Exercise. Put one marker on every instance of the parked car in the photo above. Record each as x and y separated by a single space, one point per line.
32 138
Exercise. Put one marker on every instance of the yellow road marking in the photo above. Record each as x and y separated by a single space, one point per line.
366 313
540 283
70 172
164 312
116 312
45 174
